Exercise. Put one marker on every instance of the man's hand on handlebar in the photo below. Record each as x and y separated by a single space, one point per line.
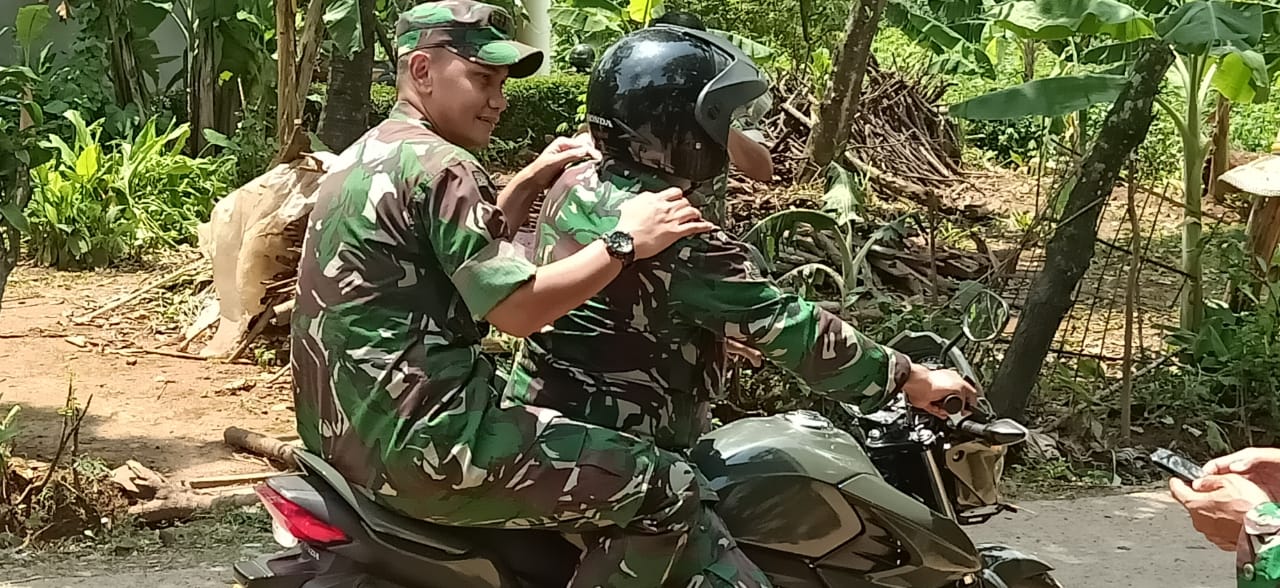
926 389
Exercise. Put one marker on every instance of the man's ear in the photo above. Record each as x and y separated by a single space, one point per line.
420 69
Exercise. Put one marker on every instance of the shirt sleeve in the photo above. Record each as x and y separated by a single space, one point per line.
1258 549
716 284
467 231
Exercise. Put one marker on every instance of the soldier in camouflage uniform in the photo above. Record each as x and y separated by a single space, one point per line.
406 253
646 356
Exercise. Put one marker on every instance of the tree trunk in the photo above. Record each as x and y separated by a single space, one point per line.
536 31
844 90
1070 249
294 81
10 236
346 112
203 82
1028 60
286 70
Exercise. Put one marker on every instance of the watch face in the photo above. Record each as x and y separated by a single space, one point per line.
620 242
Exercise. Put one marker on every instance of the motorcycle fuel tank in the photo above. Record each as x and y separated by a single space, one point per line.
795 485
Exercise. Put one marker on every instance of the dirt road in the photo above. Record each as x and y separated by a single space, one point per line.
1133 541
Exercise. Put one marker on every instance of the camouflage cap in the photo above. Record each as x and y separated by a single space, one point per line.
482 33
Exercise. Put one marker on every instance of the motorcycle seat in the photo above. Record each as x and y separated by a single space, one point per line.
382 520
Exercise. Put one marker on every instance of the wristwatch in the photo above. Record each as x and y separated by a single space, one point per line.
620 246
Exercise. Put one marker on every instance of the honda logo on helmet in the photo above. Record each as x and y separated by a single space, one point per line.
599 120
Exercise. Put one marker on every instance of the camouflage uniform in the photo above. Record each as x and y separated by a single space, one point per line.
1258 553
405 253
646 355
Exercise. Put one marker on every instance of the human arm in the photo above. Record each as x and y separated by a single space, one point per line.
517 197
497 283
750 157
716 284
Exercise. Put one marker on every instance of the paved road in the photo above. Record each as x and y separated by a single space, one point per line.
1133 541
1137 540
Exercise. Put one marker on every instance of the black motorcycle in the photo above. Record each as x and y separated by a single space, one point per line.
879 503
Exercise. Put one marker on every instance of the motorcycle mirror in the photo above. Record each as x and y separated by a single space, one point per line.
985 317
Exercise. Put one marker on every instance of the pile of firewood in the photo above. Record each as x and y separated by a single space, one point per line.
901 138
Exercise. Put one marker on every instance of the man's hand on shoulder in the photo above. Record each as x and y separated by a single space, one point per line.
655 220
561 153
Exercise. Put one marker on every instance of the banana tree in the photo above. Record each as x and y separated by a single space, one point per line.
951 29
1214 46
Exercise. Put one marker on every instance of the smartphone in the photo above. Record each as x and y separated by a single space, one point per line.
1177 465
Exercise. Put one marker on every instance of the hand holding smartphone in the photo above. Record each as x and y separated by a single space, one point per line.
1179 466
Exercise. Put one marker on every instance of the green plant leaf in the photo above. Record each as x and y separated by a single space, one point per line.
643 11
1063 19
589 20
342 18
1043 97
219 139
1110 53
317 145
32 22
807 272
957 55
1242 76
1200 25
845 196
1216 438
11 214
145 16
769 233
758 52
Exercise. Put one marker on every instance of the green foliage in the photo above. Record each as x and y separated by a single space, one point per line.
1054 96
346 30
31 24
382 99
954 53
96 204
250 149
1202 25
538 105
1231 358
1063 19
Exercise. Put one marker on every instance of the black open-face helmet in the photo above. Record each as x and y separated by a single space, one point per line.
582 57
662 98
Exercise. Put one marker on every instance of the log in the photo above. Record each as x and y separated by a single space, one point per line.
259 444
184 505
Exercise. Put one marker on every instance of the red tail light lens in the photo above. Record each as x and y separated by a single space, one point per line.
301 524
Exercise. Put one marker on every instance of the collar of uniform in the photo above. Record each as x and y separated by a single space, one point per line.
627 177
405 112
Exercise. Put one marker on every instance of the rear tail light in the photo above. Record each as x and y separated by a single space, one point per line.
292 523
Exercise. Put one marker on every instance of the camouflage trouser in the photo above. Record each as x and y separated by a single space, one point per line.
638 507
